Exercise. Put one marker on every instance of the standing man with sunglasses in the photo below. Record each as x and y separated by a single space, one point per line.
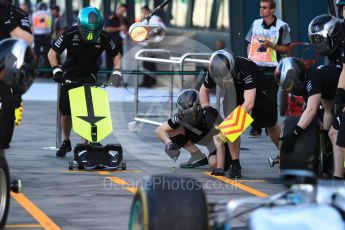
269 39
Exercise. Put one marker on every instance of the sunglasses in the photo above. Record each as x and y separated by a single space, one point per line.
264 7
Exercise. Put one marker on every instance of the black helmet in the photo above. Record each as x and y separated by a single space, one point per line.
323 34
340 3
187 99
221 67
17 58
290 75
189 108
42 6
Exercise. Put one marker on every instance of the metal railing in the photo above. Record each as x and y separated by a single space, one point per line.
180 61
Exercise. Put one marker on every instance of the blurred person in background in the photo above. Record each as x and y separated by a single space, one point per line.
220 44
25 7
150 80
42 30
268 40
59 24
116 23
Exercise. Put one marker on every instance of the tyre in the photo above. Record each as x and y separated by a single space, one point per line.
307 148
70 165
4 191
16 186
123 166
169 202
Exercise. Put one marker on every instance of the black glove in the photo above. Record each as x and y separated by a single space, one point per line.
339 102
58 75
173 150
115 78
218 172
11 102
289 140
210 117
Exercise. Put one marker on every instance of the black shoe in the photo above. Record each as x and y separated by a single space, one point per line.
273 161
235 171
194 163
64 148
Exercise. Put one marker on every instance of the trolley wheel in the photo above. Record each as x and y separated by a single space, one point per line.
81 167
16 186
4 191
169 202
123 166
70 166
273 161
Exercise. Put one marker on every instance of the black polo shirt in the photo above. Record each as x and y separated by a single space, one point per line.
244 78
82 58
7 22
323 80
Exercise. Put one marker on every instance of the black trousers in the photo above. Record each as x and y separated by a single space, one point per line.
149 80
41 49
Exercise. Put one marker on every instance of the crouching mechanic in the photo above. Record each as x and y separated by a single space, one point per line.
193 125
317 85
337 132
244 79
85 44
16 76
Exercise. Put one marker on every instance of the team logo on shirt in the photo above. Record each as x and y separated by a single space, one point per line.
76 38
309 86
206 78
59 41
25 22
248 79
175 119
112 44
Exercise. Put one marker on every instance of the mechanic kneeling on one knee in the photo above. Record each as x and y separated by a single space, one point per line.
193 125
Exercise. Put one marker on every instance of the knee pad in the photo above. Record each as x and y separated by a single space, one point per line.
180 139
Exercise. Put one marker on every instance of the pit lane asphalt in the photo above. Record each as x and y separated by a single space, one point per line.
55 198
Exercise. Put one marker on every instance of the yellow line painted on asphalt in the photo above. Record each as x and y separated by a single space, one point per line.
112 171
239 185
119 181
103 173
23 226
35 212
257 181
